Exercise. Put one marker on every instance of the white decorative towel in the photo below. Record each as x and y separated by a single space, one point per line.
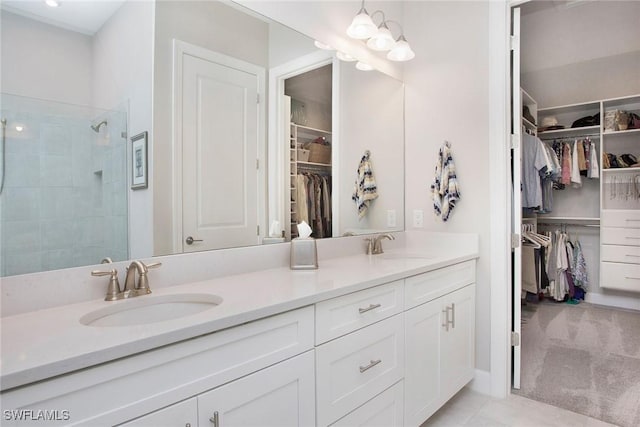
365 189
444 189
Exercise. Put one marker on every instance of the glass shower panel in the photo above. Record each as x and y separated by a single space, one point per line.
64 201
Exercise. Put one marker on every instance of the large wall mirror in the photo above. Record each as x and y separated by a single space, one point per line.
254 129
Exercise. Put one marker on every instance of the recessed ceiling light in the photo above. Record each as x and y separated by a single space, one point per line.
52 3
19 128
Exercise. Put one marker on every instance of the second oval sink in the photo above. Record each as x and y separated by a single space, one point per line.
150 309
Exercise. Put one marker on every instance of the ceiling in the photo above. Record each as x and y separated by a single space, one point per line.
83 16
559 33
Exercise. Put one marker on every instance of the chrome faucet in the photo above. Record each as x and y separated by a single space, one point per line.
131 287
377 243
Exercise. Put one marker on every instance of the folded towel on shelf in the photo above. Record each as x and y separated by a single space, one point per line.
365 189
445 190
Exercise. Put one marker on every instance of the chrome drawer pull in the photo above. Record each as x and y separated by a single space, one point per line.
629 219
215 420
632 278
453 315
371 307
631 237
370 365
633 256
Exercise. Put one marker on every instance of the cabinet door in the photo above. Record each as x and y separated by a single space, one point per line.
423 330
281 395
458 341
183 414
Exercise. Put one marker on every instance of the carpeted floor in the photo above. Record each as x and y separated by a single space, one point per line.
583 358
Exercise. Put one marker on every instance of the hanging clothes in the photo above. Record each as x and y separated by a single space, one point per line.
533 163
594 170
365 190
576 180
313 202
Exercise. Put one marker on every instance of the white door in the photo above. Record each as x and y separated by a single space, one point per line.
516 169
279 396
219 119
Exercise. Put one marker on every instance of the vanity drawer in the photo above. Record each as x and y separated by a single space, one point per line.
384 410
620 236
620 218
624 277
429 286
353 369
624 254
339 316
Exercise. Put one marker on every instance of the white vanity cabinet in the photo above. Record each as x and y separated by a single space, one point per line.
440 340
125 389
281 395
183 414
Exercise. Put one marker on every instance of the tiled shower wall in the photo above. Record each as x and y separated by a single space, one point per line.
64 202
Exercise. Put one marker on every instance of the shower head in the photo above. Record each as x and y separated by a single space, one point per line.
96 128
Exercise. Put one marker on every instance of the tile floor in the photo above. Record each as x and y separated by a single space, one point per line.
469 408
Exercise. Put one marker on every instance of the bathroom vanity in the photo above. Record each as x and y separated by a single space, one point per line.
365 340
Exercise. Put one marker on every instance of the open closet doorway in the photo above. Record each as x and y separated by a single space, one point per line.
308 98
575 303
302 96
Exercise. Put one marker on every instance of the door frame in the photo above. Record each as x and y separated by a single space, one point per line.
278 152
181 48
500 175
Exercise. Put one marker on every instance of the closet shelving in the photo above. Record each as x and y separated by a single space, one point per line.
299 136
620 213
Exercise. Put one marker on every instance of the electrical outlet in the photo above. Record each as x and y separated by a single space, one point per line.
391 218
418 218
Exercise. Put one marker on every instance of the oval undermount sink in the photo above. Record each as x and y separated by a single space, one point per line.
151 309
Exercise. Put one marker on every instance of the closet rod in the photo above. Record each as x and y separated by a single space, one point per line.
566 224
562 138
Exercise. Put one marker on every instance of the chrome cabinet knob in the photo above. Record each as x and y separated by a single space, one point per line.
189 240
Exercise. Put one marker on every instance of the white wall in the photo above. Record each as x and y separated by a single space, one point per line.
43 61
211 25
447 98
122 79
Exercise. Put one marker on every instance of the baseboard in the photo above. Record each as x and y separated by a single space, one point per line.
481 382
619 301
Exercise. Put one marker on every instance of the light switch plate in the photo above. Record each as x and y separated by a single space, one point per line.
391 218
418 218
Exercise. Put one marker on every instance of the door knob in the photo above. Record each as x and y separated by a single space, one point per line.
189 240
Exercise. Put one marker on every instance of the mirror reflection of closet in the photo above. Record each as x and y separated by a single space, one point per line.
309 97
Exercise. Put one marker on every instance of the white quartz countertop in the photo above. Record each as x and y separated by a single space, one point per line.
42 344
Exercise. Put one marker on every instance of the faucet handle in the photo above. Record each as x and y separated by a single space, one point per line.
369 241
113 291
143 280
152 265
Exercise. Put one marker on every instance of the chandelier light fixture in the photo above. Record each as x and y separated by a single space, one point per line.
380 38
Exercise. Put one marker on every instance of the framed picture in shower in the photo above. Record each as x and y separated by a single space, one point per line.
139 172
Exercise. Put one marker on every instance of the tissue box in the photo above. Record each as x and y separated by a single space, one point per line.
304 254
